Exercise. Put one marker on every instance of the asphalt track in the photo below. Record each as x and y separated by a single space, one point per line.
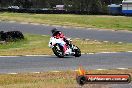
51 63
102 35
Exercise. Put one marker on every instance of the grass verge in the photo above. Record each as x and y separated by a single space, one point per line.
89 21
52 80
38 45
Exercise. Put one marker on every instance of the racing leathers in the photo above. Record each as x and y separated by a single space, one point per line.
58 37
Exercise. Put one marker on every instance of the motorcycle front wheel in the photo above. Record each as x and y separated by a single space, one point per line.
77 51
58 50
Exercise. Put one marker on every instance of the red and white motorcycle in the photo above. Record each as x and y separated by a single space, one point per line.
57 48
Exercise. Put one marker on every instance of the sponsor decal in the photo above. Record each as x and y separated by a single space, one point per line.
83 78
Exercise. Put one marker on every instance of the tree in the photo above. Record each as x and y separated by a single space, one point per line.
96 7
26 4
89 6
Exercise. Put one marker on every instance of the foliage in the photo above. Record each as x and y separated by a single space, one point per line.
90 6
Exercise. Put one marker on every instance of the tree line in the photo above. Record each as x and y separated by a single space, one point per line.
90 6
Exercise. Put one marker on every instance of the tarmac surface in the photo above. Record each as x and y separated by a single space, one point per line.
101 35
52 63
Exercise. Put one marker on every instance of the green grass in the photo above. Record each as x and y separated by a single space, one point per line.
65 79
89 21
97 46
32 44
38 45
42 80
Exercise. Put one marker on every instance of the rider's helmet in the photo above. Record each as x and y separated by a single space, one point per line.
54 30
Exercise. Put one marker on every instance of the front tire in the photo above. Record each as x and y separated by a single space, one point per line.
77 52
58 50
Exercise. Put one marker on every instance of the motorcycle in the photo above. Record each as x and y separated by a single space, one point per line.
57 48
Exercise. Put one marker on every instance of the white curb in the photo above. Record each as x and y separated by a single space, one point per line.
106 52
35 24
12 73
122 68
91 53
12 21
9 56
24 23
101 69
56 71
36 55
36 72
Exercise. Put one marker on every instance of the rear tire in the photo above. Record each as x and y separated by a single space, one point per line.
58 51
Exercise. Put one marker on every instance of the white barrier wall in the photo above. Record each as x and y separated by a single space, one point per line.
124 7
127 5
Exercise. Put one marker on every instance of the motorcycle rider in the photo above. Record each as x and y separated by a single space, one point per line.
58 35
